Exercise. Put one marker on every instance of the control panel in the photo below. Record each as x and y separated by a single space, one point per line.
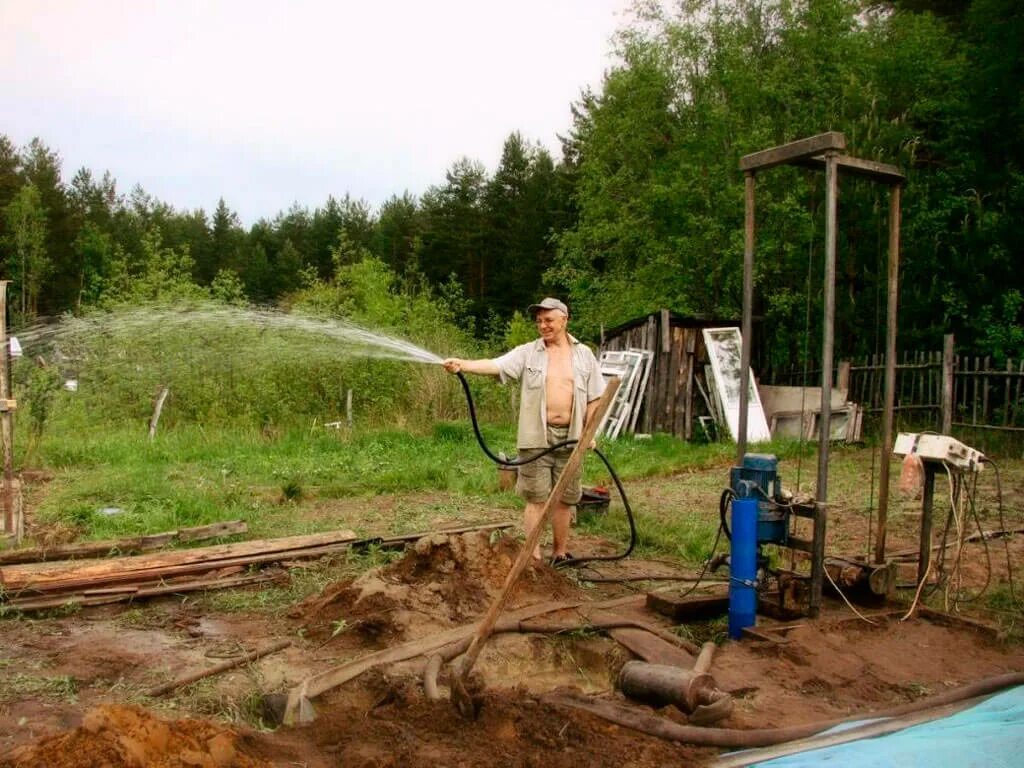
939 449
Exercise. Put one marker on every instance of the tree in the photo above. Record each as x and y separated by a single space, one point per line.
454 232
522 210
164 276
29 263
398 232
226 243
42 167
95 249
10 176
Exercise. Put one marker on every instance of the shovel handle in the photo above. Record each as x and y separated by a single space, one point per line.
486 626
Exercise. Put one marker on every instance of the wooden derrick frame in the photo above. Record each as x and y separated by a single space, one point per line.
826 152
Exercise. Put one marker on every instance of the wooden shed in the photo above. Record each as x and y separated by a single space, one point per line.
677 392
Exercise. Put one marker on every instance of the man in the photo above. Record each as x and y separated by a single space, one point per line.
560 383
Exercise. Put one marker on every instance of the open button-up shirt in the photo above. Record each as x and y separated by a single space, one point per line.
528 364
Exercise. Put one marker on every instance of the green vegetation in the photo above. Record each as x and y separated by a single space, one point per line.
643 209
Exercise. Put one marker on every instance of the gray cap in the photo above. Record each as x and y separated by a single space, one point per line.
548 303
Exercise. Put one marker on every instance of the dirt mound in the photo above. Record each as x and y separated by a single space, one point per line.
514 728
442 581
130 737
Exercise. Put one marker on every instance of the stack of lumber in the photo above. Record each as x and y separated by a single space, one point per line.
53 584
91 582
126 546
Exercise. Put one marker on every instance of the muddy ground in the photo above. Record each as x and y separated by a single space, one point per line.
73 686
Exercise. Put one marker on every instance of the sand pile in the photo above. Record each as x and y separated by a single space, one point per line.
441 582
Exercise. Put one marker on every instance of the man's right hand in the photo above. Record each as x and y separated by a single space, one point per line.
452 364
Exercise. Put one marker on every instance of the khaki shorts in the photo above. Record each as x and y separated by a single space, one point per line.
537 478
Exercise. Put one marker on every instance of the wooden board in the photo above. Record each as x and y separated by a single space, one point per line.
123 546
651 648
689 608
73 574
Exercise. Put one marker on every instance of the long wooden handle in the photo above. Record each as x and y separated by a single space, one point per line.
589 431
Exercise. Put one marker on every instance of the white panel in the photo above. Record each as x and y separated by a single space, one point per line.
724 347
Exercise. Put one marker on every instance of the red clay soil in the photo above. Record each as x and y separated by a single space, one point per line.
130 737
833 667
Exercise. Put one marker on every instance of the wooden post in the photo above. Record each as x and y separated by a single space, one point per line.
1006 394
747 323
927 503
974 391
158 407
947 384
827 349
986 387
348 408
13 524
890 370
843 378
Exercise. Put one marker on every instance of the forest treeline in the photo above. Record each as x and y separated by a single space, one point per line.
644 208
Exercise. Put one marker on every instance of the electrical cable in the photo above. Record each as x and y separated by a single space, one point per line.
917 594
1002 525
845 600
971 496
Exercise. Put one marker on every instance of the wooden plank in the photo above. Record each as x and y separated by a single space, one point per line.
922 380
974 393
687 609
855 166
651 648
691 359
155 590
1006 394
227 528
674 354
794 150
188 569
121 546
37 575
1016 398
679 342
984 389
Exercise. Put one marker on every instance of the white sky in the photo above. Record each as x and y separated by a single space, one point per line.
270 103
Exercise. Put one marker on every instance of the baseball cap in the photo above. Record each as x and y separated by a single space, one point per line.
548 303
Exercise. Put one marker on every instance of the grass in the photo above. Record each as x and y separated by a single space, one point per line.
111 481
21 686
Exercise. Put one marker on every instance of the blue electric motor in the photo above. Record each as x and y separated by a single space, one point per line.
758 478
743 567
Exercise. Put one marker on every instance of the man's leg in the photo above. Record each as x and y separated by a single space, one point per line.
531 519
561 518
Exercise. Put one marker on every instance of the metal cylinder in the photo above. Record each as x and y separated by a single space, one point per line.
661 684
743 567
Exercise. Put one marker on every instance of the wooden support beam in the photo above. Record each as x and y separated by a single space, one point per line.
793 151
855 166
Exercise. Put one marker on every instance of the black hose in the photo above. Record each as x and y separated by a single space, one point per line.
575 561
723 501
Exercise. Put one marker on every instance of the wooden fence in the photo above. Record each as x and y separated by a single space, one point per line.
938 388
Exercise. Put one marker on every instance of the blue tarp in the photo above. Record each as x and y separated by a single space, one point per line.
988 735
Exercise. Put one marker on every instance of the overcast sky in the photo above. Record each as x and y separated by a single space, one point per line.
270 103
